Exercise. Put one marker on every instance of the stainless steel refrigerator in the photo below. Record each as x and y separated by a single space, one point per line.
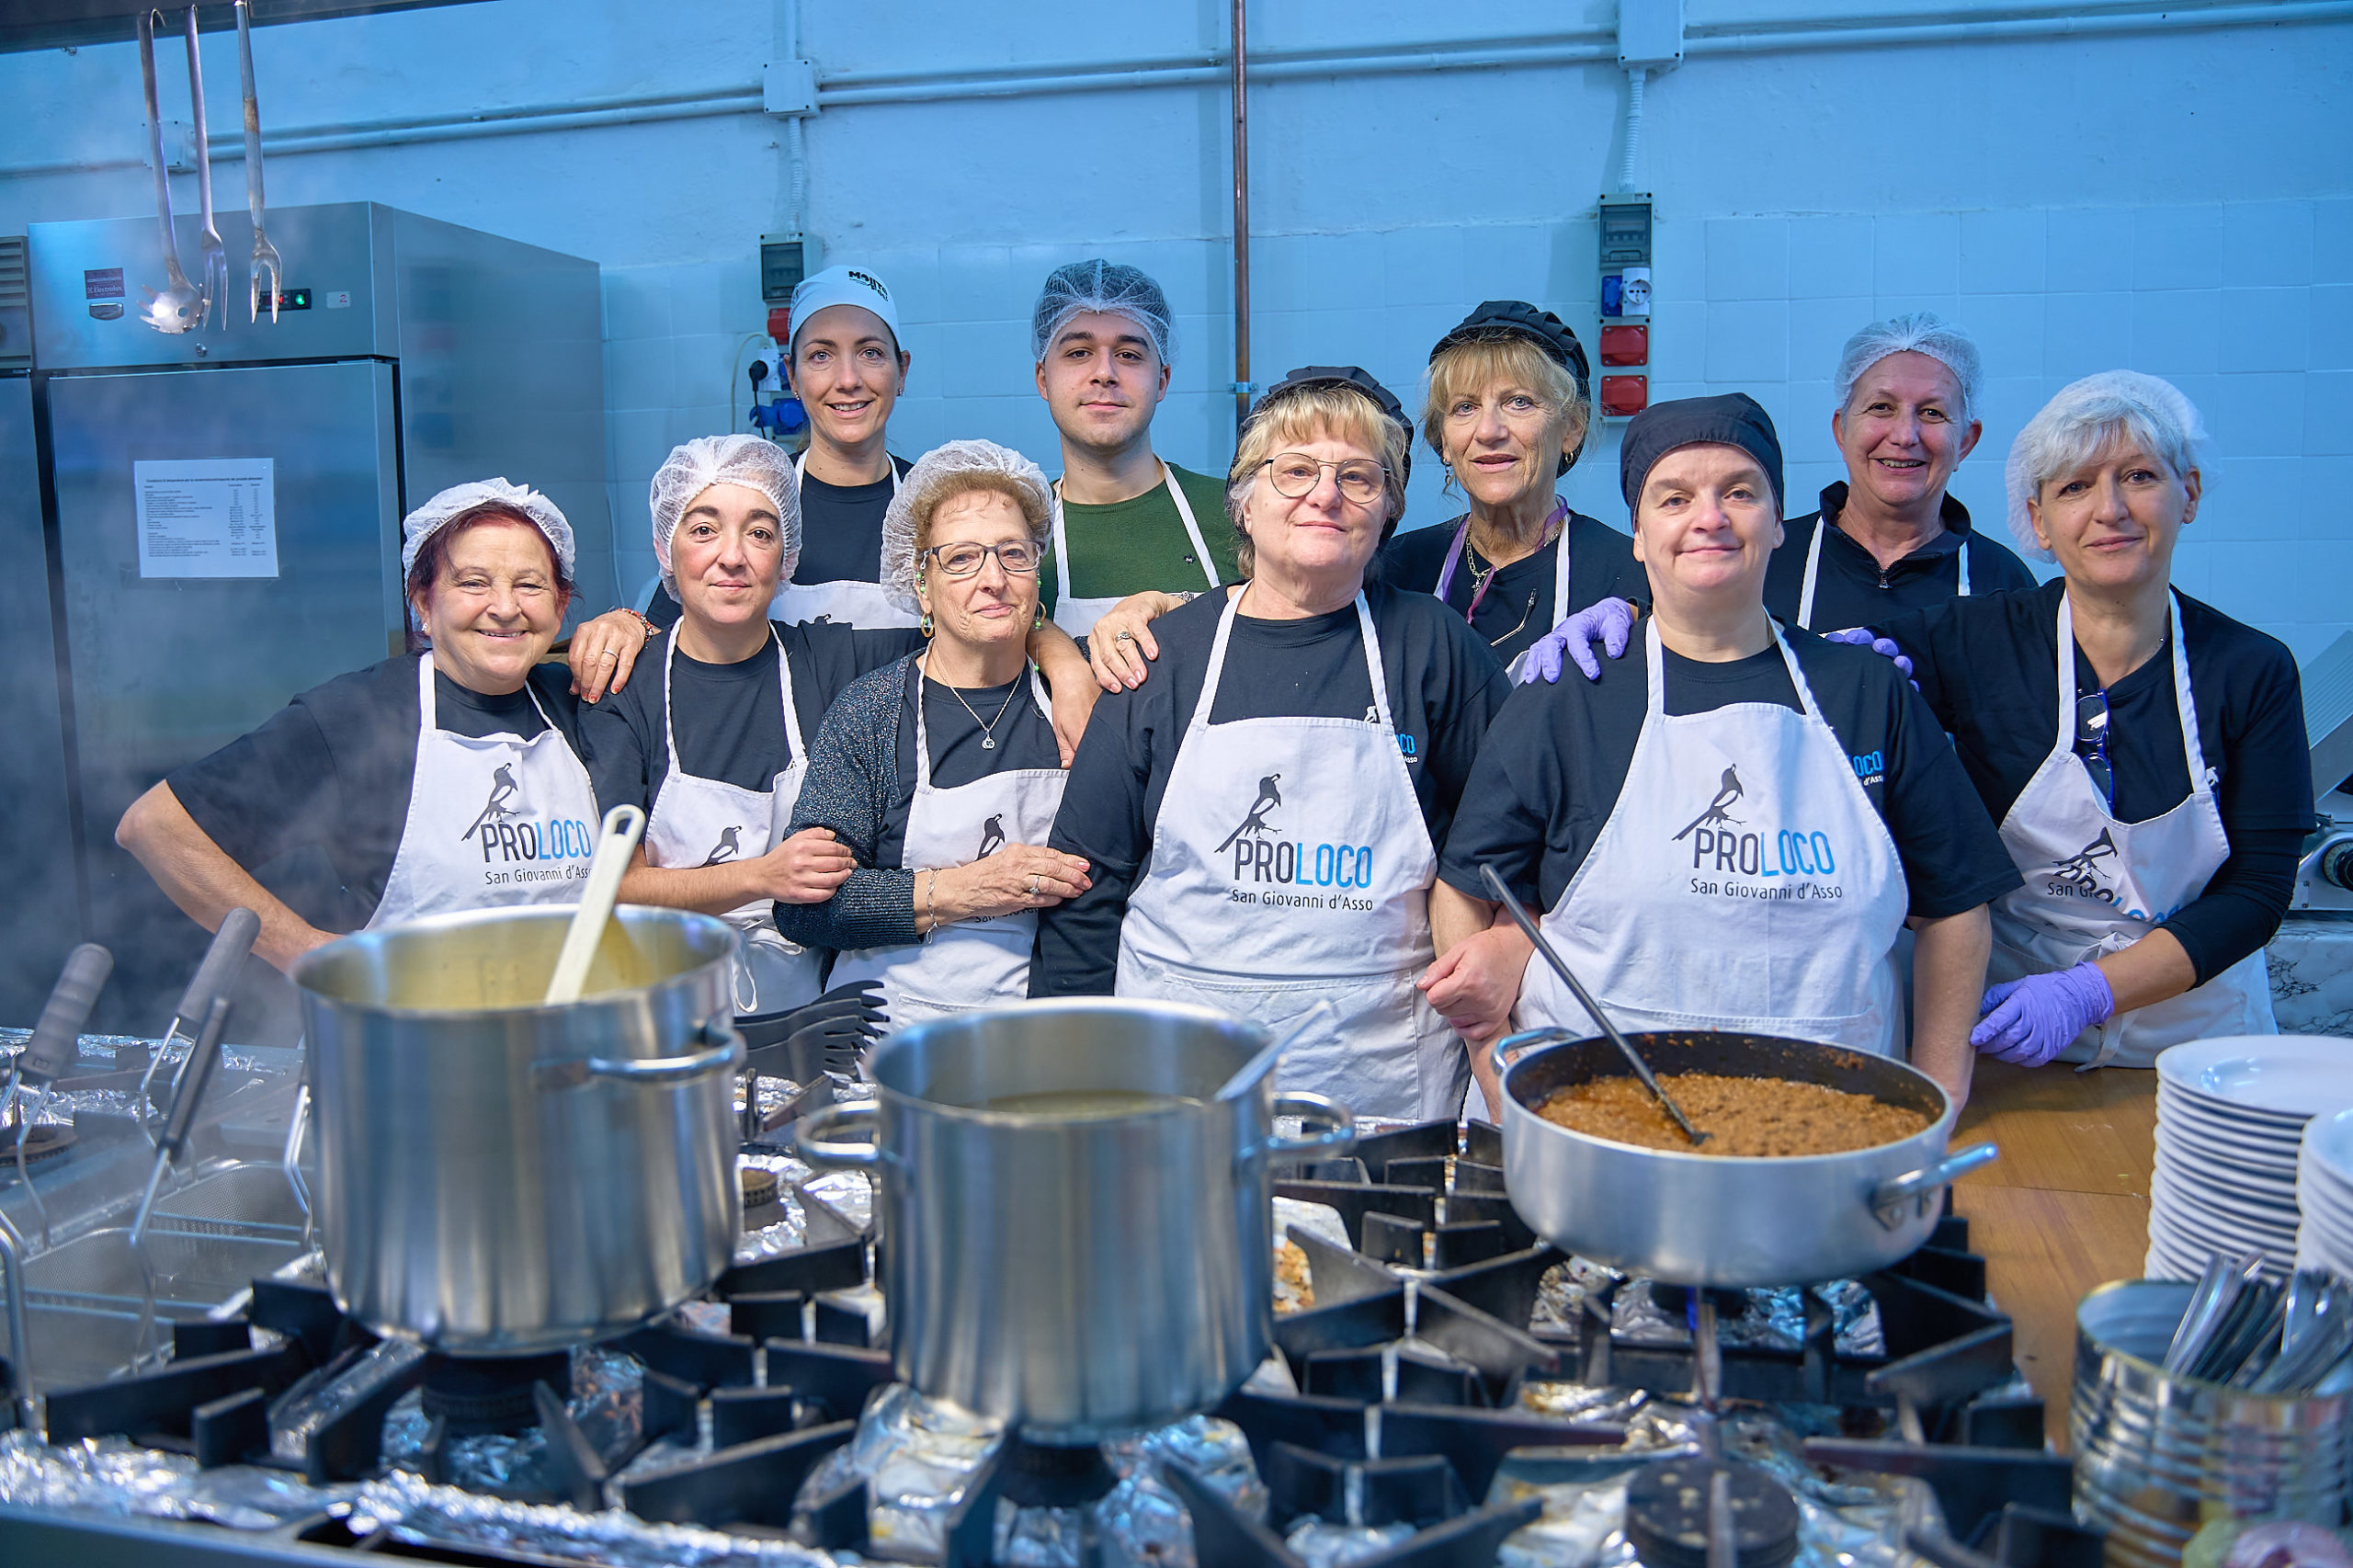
227 503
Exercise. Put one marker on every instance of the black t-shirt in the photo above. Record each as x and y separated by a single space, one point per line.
1851 589
1517 607
731 723
841 537
330 773
1555 762
1988 667
1444 685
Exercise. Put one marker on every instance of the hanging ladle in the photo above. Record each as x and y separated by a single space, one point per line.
1625 1047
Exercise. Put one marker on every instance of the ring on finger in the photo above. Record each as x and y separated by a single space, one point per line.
1033 887
1124 636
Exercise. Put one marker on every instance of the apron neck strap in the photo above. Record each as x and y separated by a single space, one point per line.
428 698
923 731
784 686
2193 754
1813 572
1184 515
1216 670
1657 675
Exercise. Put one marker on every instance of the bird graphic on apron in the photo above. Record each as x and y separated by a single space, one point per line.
1077 615
849 602
2095 885
972 963
708 822
1263 905
527 842
1773 908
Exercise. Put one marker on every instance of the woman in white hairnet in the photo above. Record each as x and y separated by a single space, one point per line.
443 780
939 773
2143 752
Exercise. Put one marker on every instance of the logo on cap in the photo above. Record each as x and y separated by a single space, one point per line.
855 276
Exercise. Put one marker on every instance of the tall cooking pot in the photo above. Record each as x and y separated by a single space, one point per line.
1079 1272
500 1178
1695 1219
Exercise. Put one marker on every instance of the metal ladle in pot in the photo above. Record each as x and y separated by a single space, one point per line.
1625 1047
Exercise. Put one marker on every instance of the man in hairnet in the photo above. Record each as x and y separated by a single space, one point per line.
1888 537
1129 541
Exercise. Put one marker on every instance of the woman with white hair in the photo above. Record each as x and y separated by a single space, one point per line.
1889 536
444 778
2143 752
939 773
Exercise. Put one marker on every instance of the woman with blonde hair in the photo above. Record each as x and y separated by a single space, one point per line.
1258 819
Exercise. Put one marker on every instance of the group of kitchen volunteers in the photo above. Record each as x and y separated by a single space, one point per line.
975 734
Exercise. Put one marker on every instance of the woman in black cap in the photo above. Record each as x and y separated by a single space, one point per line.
1728 829
1260 817
1507 408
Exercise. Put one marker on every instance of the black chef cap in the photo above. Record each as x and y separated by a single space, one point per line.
1358 380
1518 318
1734 419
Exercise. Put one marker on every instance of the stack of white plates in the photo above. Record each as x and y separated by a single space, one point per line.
2231 1116
2324 1193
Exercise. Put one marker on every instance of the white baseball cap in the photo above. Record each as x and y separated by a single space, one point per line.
844 286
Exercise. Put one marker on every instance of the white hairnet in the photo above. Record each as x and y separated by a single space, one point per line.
1921 331
753 461
2084 416
1082 286
938 474
458 499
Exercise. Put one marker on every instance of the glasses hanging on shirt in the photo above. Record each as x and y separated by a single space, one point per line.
2091 742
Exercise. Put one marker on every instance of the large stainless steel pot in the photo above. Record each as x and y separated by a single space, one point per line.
1720 1220
1082 1276
498 1177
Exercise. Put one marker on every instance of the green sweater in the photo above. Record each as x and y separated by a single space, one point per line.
1132 545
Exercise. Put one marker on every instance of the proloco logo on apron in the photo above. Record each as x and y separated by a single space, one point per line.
1263 855
507 836
1723 845
2088 873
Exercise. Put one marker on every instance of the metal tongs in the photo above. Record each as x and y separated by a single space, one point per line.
266 257
213 978
1625 1047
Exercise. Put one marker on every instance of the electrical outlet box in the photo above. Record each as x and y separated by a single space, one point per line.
1650 33
1624 294
789 87
784 262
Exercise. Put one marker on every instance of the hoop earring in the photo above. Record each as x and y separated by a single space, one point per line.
1037 623
925 623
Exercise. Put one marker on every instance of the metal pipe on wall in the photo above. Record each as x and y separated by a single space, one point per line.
1241 217
1576 48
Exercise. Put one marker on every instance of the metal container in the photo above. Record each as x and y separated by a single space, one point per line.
499 1177
2159 1456
1726 1220
1079 1275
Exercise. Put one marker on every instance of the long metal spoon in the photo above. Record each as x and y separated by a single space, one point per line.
175 308
615 843
1625 1047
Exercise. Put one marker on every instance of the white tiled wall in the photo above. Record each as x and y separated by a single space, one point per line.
2249 307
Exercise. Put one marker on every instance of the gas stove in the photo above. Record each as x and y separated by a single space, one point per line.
1449 1391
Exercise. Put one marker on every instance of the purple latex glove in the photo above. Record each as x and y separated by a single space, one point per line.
2029 1021
1885 647
1607 622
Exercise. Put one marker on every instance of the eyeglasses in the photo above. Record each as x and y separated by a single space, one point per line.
1360 480
1019 559
2091 742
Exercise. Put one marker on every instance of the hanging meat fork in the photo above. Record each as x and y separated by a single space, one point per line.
266 257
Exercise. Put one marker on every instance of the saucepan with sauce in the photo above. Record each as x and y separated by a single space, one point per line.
1820 1164
1076 1229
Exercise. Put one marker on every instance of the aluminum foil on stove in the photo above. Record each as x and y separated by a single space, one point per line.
915 1456
1139 1523
417 1512
307 1410
111 1478
1770 1320
605 1401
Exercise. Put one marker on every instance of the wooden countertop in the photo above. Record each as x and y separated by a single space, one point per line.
2065 1209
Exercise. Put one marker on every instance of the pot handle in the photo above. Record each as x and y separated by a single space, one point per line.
1339 1134
1891 1197
814 1150
1525 1038
724 1054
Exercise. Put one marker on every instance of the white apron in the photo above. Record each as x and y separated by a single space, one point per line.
973 963
708 822
846 602
1077 615
493 820
1814 571
1742 882
1559 585
1263 898
2095 885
